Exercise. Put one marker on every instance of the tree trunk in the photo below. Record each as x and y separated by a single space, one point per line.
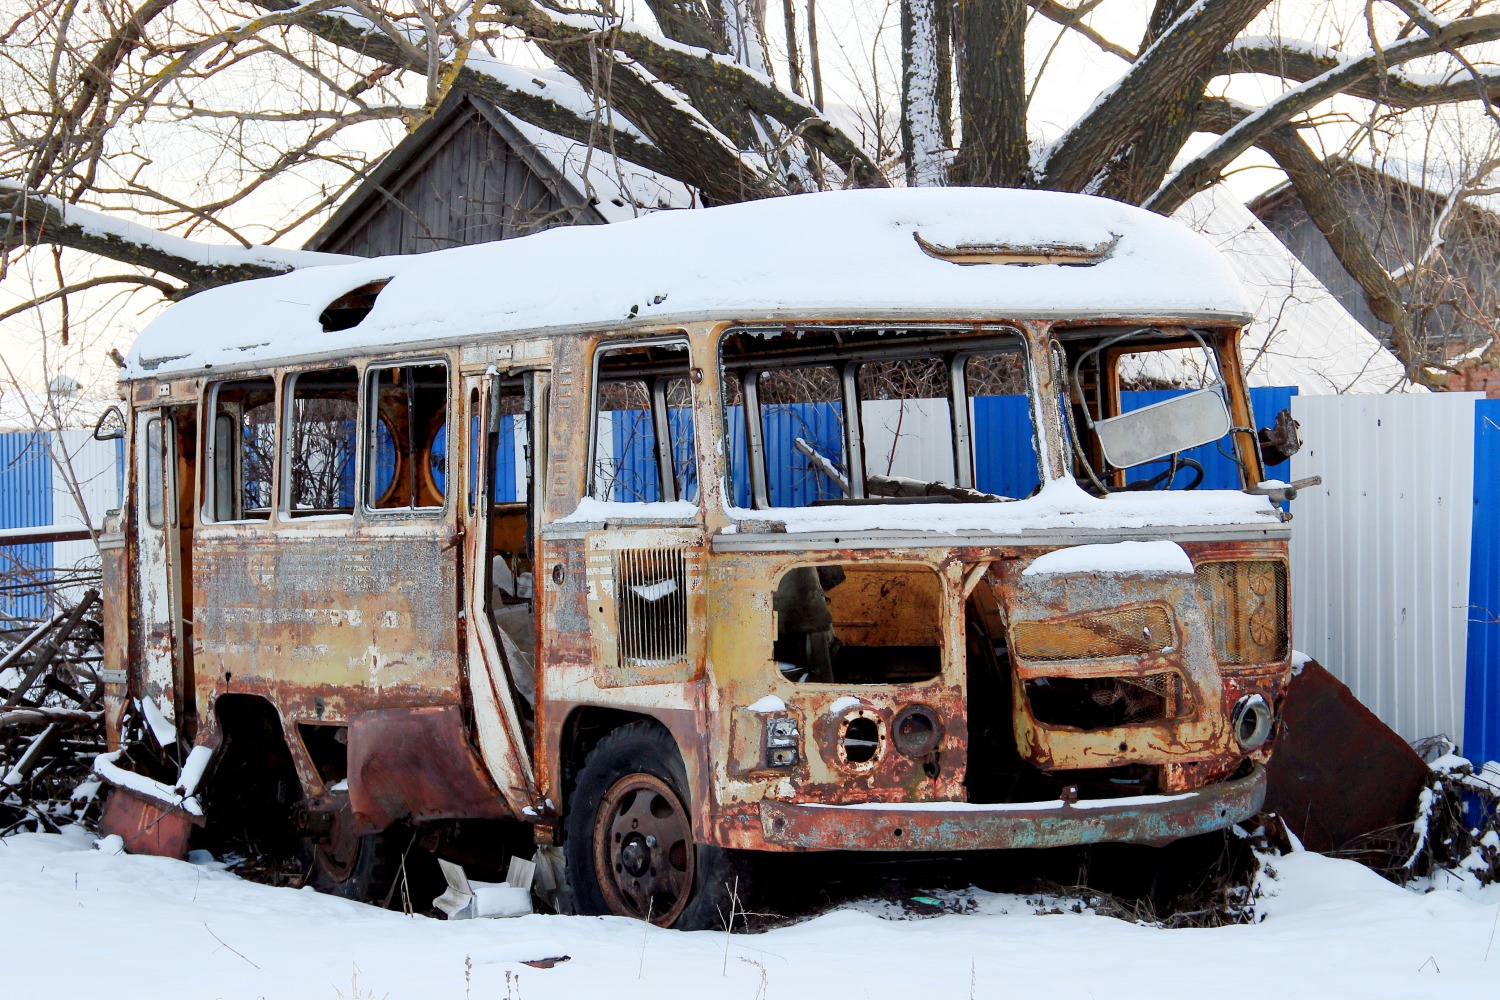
992 93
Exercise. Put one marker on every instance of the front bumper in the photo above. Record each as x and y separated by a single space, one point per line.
963 826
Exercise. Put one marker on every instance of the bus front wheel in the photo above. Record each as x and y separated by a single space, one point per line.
630 849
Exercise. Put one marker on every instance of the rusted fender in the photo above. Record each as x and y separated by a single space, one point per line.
416 763
956 826
1339 774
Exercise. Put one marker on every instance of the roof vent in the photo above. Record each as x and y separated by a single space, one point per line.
1024 255
350 309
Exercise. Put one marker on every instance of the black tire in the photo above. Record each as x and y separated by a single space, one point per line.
362 868
635 776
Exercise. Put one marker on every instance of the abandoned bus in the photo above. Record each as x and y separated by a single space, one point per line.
903 521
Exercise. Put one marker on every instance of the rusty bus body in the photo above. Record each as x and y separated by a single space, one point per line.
562 575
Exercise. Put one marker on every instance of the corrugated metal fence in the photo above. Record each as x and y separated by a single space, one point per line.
36 492
1481 732
1385 592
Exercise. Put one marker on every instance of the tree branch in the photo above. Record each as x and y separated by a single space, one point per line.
168 290
29 219
530 105
1203 170
1392 88
1161 88
689 68
1315 188
1072 19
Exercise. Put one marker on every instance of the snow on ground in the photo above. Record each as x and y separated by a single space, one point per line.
122 927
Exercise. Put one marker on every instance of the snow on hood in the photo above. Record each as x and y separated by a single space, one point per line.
833 254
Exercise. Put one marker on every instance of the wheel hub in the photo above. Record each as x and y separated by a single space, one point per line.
643 849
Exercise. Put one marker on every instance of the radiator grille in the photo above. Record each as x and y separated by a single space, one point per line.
1247 603
651 605
1133 631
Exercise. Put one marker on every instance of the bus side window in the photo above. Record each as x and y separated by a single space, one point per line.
643 425
320 442
244 450
406 437
154 459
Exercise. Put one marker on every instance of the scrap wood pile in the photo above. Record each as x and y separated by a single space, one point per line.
51 719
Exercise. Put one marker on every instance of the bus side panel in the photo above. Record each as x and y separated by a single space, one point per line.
326 622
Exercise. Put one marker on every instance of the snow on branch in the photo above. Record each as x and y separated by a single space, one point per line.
1203 170
28 218
1293 59
541 103
1174 61
677 64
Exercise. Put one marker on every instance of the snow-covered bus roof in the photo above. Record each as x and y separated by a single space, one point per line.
845 254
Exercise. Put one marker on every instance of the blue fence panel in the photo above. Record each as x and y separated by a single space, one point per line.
1220 470
25 501
1005 460
1482 670
635 457
792 480
1005 446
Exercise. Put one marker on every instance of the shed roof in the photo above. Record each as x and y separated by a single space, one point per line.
1301 335
833 254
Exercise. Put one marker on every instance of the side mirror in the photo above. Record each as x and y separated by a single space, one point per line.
116 428
1163 429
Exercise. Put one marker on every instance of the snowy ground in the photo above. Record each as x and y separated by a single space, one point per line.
75 921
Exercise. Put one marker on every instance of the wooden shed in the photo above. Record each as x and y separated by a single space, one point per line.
472 174
1455 300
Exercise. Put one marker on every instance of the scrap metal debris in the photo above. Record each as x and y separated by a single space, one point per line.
51 719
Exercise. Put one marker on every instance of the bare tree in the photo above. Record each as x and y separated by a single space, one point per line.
238 121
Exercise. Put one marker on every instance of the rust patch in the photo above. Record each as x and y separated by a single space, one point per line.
1339 773
416 763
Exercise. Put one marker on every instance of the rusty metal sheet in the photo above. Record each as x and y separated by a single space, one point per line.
416 763
1339 774
1148 820
146 826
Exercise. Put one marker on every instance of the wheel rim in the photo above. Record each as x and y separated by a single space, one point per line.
336 857
643 850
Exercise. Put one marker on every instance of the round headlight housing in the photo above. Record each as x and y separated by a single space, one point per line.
1252 720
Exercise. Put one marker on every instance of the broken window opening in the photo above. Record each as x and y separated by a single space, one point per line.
406 437
349 310
858 623
243 450
788 393
1094 703
1183 441
643 425
320 448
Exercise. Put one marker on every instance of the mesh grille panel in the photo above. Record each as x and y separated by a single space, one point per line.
651 604
1246 601
1144 628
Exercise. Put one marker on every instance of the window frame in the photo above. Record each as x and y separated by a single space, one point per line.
286 416
666 469
847 363
208 502
366 441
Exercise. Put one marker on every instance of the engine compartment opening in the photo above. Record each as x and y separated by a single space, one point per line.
858 623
